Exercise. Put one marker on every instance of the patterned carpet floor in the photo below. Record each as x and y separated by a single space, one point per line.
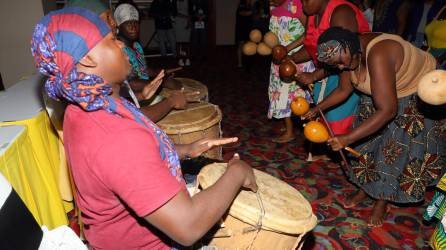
242 96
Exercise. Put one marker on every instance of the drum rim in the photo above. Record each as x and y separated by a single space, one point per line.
297 227
199 86
205 123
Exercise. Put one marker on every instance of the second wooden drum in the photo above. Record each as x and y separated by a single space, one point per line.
199 120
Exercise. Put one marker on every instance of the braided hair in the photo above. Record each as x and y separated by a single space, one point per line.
335 38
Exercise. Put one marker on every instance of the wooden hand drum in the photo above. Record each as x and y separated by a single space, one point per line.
190 85
199 120
282 215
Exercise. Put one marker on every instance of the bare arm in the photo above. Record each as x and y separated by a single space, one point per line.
296 43
200 146
185 219
344 16
301 56
381 68
340 94
319 74
157 111
177 100
309 78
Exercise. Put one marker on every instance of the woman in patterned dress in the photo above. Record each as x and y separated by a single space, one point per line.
288 23
400 137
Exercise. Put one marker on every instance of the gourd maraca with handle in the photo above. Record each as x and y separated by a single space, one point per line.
300 106
287 71
279 53
432 87
317 132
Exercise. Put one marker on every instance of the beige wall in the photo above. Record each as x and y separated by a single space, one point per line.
17 21
225 21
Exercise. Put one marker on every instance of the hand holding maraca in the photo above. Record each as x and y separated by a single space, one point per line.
311 114
338 142
306 78
316 131
288 73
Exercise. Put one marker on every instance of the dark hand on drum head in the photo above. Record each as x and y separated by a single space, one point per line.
192 96
178 99
197 148
250 179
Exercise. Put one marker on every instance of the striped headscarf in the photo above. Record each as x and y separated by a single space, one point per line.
60 40
58 44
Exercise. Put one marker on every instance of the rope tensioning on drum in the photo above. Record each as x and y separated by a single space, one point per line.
258 226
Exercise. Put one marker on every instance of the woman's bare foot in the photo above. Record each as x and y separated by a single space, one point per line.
354 199
379 214
284 138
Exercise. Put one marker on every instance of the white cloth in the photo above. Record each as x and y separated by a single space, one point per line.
5 190
126 12
61 238
132 94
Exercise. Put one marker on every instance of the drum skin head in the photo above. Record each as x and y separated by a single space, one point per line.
190 85
286 210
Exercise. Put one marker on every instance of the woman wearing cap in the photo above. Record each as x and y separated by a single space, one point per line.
402 146
127 19
126 170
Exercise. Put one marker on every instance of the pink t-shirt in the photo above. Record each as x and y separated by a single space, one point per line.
119 177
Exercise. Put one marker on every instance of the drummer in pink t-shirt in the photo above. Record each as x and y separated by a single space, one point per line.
126 170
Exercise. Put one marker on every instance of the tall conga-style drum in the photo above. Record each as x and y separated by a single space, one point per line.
276 217
197 121
190 85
